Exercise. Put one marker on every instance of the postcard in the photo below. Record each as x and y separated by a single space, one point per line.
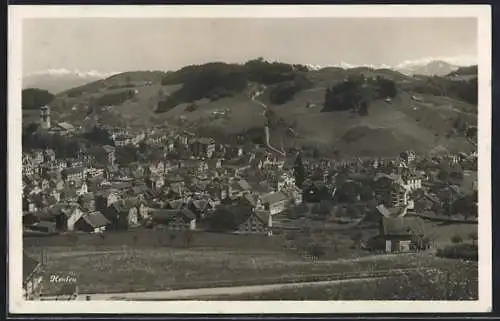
256 159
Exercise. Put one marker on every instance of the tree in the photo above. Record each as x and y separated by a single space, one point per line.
224 219
34 98
316 250
299 171
352 212
356 237
126 155
386 88
473 237
363 108
456 239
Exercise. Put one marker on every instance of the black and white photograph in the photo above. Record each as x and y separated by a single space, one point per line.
220 159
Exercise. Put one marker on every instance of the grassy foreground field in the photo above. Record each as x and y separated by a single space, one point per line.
457 283
119 269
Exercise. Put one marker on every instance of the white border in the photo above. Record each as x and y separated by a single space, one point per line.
17 13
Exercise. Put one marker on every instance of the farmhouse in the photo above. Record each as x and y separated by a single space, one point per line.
94 222
123 214
255 222
274 202
177 219
63 129
402 234
67 217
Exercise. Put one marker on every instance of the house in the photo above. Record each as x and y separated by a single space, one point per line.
241 218
57 184
274 202
93 222
390 190
123 214
258 222
27 166
67 218
156 168
74 162
106 198
402 234
32 278
63 128
30 204
38 157
214 163
195 166
391 212
412 183
233 151
203 147
285 180
88 202
54 166
408 156
74 174
110 154
121 139
156 138
238 188
155 182
169 145
182 219
245 220
253 200
200 208
294 194
49 156
82 189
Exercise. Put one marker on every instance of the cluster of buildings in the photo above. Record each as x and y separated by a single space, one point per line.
191 179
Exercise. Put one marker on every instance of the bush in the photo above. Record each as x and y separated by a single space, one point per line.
316 250
459 251
191 107
456 239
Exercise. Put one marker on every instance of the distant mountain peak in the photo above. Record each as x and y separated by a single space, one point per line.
58 80
75 72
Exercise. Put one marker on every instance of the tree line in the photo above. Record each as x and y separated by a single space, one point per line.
356 93
218 80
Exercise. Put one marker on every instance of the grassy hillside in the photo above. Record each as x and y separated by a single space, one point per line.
389 127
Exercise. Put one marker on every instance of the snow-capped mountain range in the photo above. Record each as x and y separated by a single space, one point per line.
58 80
428 66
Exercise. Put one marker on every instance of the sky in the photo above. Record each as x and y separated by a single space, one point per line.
110 45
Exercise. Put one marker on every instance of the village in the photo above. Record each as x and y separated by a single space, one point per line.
195 184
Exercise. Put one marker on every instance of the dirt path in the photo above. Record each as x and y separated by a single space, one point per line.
266 128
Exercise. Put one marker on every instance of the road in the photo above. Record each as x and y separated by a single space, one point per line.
210 292
266 128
